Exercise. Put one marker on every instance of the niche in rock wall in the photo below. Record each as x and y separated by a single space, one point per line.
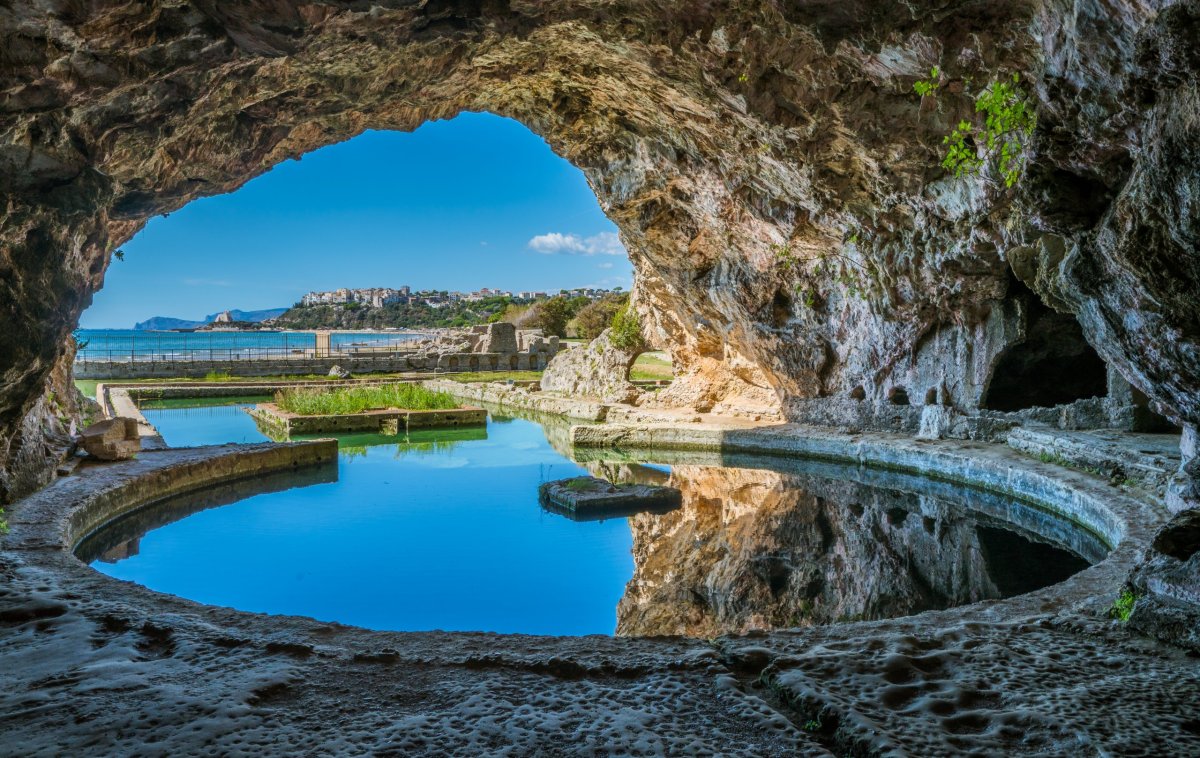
1052 366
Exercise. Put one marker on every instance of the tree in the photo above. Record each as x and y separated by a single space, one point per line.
596 316
627 330
552 316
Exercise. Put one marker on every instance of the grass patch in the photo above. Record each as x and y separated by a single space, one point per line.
494 376
1122 607
87 387
652 367
318 402
218 376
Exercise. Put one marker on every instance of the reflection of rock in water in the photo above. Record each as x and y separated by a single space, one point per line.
759 549
121 551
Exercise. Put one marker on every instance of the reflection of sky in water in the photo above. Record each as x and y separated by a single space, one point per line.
449 537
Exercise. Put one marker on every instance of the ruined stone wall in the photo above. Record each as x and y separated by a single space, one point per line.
715 135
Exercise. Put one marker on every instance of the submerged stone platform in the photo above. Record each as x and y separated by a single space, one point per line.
98 666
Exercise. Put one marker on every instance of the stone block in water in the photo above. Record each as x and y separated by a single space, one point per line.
584 498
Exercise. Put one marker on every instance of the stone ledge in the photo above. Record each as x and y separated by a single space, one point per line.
384 420
1087 500
511 396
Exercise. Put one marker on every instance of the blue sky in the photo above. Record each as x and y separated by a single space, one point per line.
477 201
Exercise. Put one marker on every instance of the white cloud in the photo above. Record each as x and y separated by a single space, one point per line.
605 243
604 265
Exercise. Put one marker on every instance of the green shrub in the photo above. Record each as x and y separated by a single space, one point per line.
217 376
627 330
1008 122
596 316
320 402
1122 607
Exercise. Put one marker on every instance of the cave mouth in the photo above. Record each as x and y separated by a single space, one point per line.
476 205
1053 365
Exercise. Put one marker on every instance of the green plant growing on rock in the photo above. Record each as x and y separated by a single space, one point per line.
928 87
626 331
3 523
1008 121
1122 607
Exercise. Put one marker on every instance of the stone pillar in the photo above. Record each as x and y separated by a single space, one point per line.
324 345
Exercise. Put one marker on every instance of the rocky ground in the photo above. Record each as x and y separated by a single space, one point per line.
93 665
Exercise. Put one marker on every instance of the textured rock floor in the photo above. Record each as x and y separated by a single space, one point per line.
93 666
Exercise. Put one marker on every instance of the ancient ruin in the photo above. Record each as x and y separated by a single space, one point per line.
800 250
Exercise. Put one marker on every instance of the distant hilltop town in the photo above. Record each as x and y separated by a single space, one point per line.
379 297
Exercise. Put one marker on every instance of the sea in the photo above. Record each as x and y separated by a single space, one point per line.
134 344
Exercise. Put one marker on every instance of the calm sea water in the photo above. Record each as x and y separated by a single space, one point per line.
443 530
117 343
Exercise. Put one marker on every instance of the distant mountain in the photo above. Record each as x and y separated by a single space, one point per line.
160 323
251 316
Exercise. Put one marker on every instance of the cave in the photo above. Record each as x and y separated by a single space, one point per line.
1052 366
745 151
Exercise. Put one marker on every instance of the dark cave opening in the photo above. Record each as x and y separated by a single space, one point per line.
1052 366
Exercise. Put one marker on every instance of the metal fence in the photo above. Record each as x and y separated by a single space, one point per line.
195 348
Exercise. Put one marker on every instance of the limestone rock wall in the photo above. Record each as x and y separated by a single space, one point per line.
715 134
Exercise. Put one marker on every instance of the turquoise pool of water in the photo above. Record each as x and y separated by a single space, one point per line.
443 530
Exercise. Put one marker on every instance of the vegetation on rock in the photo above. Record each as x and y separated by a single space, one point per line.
316 402
1008 121
394 315
598 315
627 330
1122 607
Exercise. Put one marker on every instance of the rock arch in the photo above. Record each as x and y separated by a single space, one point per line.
722 138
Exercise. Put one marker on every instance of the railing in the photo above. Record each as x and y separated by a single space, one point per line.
164 350
216 354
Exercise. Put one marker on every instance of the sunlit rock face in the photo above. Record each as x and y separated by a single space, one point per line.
714 134
754 549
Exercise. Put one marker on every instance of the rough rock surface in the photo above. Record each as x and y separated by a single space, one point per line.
98 666
113 439
598 370
715 135
1167 584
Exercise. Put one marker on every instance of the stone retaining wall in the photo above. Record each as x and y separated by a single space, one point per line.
196 472
388 421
